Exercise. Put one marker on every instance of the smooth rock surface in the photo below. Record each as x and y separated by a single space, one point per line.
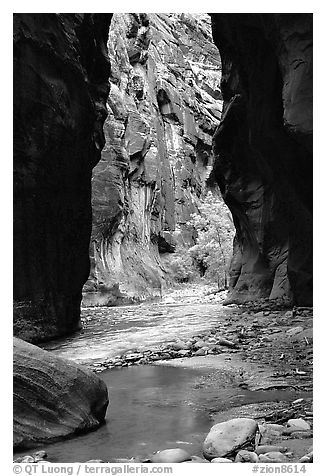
221 460
53 397
244 456
173 455
273 457
297 424
227 437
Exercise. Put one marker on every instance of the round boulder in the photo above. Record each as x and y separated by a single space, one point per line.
53 397
227 437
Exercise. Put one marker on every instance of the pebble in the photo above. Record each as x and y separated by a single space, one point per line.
273 457
27 459
221 460
196 459
297 424
294 331
173 455
300 435
308 458
200 352
244 456
270 448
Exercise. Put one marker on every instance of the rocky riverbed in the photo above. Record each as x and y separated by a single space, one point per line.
266 350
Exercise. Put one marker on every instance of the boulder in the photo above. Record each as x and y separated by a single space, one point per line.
227 437
173 455
53 397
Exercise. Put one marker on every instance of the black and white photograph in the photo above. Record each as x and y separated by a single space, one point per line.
162 241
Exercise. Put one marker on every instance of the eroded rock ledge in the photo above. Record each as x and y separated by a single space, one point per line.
263 150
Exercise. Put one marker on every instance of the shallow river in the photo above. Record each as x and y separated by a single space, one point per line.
109 331
151 407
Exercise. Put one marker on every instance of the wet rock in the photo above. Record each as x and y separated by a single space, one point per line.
199 344
200 352
270 432
294 331
28 459
197 459
273 457
39 456
244 456
227 437
183 353
288 314
53 397
225 342
175 455
308 458
179 346
300 435
297 424
133 357
270 448
25 459
221 460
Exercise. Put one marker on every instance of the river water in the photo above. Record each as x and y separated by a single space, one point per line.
109 331
151 407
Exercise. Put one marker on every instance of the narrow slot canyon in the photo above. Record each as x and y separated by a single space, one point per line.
163 237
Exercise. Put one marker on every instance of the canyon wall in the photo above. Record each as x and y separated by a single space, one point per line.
164 106
263 150
61 85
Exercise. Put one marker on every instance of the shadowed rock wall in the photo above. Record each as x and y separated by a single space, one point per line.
263 150
61 85
164 106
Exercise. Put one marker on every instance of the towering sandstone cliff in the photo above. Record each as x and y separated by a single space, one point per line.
164 106
61 85
263 151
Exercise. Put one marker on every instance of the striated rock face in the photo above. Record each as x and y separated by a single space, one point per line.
53 397
263 150
164 106
61 85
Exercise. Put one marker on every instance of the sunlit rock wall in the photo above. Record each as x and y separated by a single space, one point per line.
164 106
